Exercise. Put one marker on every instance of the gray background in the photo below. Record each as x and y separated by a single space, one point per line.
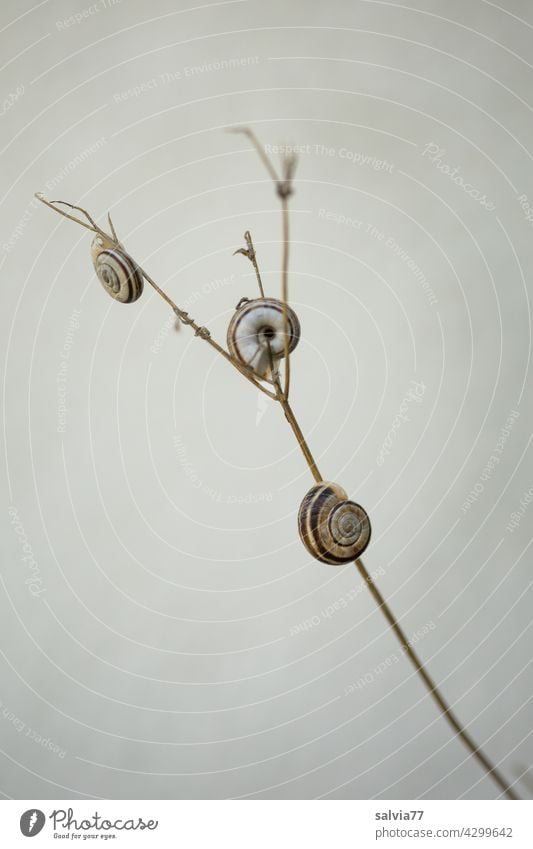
164 655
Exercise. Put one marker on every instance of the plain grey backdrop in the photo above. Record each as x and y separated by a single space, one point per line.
164 634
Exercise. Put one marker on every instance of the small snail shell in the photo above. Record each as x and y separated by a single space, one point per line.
254 325
332 528
116 271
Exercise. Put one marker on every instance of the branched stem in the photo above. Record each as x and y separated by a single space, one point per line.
284 189
282 395
112 241
302 442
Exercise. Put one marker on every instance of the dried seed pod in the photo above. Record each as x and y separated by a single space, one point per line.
116 271
255 326
333 529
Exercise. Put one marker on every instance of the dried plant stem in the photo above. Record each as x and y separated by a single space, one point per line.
285 294
283 186
300 438
441 702
52 204
284 189
204 334
246 131
250 253
421 670
282 395
183 316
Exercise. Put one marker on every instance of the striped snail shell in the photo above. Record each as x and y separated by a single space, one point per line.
116 271
333 529
256 324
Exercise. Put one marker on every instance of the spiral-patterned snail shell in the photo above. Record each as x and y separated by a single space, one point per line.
333 529
116 271
257 324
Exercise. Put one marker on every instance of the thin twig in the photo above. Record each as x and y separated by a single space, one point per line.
112 228
246 131
432 687
300 438
249 252
285 294
51 203
284 190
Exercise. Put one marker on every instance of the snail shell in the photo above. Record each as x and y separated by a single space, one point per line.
333 529
254 325
117 272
